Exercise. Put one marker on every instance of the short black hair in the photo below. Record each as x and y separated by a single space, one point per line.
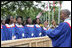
19 17
8 19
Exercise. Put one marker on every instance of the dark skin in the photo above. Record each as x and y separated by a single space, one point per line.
11 20
24 22
53 22
63 15
38 21
3 22
19 21
30 21
45 24
14 20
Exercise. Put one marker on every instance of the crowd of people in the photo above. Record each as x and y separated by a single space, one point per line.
60 35
15 28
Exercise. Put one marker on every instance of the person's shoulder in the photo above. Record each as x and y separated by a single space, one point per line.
37 25
64 24
29 25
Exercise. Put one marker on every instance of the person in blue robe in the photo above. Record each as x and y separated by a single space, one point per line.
29 28
19 28
44 28
61 35
9 28
37 27
38 30
2 34
44 31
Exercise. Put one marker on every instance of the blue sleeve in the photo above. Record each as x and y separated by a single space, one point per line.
43 32
50 30
57 31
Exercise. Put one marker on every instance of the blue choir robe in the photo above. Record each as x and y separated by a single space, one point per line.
38 30
44 31
9 31
2 34
29 31
19 31
61 35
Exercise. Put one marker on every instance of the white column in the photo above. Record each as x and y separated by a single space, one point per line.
52 14
59 15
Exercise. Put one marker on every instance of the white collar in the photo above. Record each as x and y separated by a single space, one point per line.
12 25
37 25
44 28
29 25
18 25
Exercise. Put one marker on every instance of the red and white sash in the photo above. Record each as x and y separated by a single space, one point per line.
30 25
68 22
19 26
8 26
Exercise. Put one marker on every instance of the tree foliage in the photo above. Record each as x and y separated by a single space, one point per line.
25 9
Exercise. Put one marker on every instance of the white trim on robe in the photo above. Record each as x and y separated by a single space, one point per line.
68 21
44 28
29 25
19 25
12 25
37 25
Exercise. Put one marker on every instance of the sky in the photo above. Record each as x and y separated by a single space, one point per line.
66 5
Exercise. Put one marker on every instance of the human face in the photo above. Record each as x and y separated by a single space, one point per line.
19 20
38 21
29 20
62 15
11 19
14 20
